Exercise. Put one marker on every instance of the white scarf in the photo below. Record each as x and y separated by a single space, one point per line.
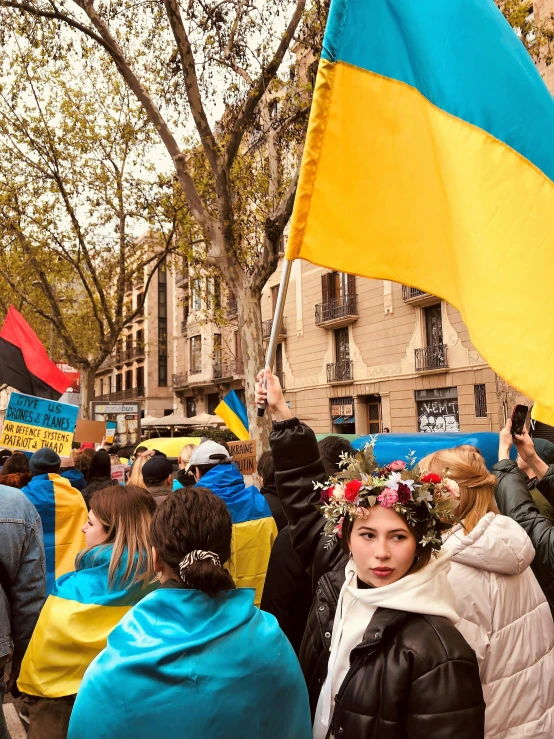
427 591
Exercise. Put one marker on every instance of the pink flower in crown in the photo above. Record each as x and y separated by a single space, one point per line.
397 466
352 490
338 528
360 512
452 487
388 498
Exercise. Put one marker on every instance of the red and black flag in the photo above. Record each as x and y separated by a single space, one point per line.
24 362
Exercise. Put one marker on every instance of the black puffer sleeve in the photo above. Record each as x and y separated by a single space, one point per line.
297 466
515 501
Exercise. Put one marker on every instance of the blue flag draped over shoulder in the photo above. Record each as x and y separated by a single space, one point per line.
233 411
74 624
182 664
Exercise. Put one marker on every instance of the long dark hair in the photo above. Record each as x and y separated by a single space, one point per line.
194 519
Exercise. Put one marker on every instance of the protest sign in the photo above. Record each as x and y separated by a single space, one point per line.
90 431
119 473
111 428
244 455
33 423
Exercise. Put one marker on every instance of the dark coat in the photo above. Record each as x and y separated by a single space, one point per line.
412 676
92 487
269 492
287 590
514 500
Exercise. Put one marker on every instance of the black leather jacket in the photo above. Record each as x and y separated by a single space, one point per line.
412 676
514 500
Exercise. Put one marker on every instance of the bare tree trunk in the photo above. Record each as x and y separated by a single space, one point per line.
87 390
250 327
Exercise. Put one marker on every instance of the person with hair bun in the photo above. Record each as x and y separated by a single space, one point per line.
504 614
112 573
196 658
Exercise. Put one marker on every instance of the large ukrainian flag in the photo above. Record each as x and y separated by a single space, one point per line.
74 624
430 161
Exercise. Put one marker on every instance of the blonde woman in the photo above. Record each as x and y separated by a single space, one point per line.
112 574
504 614
136 478
184 478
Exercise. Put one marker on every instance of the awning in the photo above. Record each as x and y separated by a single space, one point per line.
338 420
343 419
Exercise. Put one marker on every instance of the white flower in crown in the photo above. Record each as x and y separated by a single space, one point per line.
338 493
395 478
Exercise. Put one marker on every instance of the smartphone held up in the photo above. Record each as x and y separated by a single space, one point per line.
519 416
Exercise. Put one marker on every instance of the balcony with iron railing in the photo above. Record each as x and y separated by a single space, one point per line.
181 280
417 297
337 312
127 394
228 369
180 380
268 325
431 358
340 372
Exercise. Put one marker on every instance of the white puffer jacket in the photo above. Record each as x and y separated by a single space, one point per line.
506 619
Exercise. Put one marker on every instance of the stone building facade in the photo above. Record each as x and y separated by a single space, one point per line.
140 367
360 355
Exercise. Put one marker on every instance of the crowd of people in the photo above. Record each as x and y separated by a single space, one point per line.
341 599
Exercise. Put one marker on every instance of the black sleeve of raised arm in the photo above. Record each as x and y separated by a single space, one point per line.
297 467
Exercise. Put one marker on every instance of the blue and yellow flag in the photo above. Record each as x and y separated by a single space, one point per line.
430 161
182 664
233 412
74 625
63 513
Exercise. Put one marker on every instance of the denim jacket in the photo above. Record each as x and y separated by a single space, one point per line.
22 558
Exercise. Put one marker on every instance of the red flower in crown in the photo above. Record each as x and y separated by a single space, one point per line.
404 493
431 477
352 490
326 494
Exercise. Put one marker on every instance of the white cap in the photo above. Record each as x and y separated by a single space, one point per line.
209 453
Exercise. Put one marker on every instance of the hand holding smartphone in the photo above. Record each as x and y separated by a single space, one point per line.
519 416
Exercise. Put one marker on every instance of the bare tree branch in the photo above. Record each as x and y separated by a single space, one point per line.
193 95
275 225
261 85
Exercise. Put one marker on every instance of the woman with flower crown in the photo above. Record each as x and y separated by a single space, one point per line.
381 654
504 615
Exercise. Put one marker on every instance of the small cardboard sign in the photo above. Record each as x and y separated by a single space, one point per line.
111 428
90 431
244 454
119 472
33 423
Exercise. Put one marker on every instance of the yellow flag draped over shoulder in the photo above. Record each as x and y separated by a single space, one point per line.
430 161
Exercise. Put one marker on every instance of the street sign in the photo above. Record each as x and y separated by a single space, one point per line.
126 417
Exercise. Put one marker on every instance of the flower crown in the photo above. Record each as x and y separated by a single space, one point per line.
421 498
